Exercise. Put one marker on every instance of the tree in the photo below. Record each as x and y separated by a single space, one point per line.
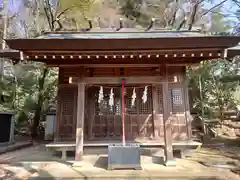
211 90
51 19
31 90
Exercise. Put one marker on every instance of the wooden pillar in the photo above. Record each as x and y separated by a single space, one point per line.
90 117
80 122
168 149
188 114
75 112
58 116
187 107
59 107
154 112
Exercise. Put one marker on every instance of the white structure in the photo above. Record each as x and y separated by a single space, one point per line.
50 126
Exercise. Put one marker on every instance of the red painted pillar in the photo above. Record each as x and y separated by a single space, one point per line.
123 114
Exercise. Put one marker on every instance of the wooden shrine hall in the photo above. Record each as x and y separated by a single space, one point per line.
127 81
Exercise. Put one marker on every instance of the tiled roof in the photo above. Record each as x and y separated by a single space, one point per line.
235 47
124 33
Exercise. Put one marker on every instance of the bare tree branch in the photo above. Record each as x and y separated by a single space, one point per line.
174 13
237 3
64 11
181 24
214 7
50 12
224 15
48 17
193 15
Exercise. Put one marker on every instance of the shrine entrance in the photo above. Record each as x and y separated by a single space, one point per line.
105 116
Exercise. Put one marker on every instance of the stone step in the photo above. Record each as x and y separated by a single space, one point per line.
103 159
93 155
143 151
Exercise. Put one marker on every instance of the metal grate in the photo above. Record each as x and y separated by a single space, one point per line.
159 99
145 108
104 107
177 99
130 109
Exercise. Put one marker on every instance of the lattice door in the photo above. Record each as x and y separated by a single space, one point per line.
107 119
177 110
67 104
158 116
179 125
138 116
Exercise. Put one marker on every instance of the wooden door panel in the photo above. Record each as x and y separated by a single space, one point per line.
131 126
139 117
66 113
107 121
118 126
99 126
177 108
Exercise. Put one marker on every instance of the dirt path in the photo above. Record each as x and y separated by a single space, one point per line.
227 157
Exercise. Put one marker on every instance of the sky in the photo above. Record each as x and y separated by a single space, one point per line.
14 5
228 8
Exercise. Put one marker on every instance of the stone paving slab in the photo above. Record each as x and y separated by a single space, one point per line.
58 170
15 146
36 163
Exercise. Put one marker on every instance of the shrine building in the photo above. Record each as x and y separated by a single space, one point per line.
125 84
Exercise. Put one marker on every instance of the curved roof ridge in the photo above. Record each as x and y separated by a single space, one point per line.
110 33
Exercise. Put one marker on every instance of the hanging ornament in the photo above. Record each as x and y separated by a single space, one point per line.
111 98
133 97
100 95
144 97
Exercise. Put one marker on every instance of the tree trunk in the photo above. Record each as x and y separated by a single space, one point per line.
193 16
38 110
2 61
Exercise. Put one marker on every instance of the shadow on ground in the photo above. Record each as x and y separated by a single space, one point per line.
102 162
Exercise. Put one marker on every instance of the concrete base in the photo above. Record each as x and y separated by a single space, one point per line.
15 146
7 143
170 163
78 164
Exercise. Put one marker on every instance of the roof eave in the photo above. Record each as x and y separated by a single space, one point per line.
10 53
221 42
232 52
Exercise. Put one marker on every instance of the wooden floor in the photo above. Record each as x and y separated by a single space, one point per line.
142 143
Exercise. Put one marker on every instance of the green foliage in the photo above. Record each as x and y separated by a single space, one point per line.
6 94
213 87
20 90
131 9
236 95
219 23
75 13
